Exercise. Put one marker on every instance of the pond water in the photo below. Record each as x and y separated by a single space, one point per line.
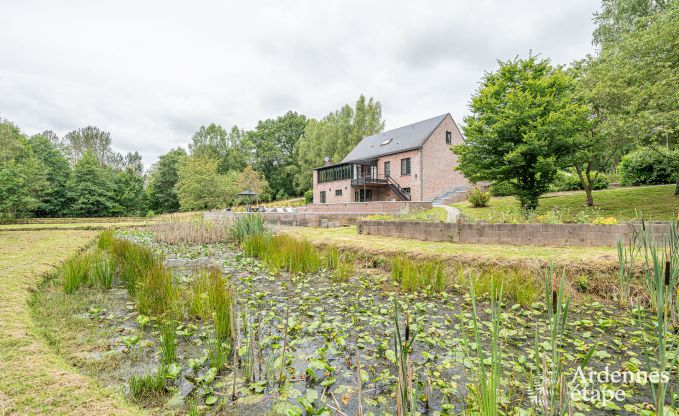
328 329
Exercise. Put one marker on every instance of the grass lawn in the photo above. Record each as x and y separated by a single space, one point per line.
586 259
655 202
33 379
431 215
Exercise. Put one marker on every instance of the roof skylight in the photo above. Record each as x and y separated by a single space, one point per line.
386 142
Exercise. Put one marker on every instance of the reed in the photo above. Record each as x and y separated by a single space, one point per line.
168 342
155 291
344 270
105 240
246 225
489 378
101 272
147 387
191 231
283 252
132 262
412 275
75 272
661 272
403 344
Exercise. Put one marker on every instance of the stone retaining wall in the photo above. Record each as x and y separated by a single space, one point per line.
514 234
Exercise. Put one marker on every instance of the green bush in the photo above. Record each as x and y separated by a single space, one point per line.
502 189
309 196
569 181
646 166
478 198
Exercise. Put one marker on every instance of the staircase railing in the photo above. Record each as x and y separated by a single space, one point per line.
397 189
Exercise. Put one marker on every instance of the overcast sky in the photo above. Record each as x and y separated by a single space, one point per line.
151 73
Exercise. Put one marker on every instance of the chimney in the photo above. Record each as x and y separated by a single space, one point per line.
328 160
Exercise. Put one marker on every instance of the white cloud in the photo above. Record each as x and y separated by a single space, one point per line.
152 72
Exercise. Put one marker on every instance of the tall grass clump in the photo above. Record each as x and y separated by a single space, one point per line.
489 378
155 292
132 262
147 387
246 225
517 286
75 272
168 342
105 240
221 298
283 252
101 272
412 275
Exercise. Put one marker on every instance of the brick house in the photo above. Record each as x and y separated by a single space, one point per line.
413 162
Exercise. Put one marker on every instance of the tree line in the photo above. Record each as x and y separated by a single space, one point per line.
81 175
530 120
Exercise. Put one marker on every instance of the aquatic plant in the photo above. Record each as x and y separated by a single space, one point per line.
132 261
74 272
191 231
403 343
168 342
155 292
245 225
147 387
105 240
661 272
283 252
101 272
489 379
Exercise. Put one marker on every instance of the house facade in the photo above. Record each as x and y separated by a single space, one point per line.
410 163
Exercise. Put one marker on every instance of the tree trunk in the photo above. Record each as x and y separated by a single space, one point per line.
587 184
676 189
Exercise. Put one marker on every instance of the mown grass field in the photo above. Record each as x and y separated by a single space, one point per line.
654 202
33 378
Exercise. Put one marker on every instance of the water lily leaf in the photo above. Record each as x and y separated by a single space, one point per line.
211 400
172 371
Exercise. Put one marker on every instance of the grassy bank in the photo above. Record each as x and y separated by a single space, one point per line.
655 202
430 215
596 258
33 378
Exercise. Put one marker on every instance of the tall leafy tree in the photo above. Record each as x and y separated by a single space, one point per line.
130 195
620 17
636 82
334 136
521 128
57 170
164 175
90 188
91 139
274 143
23 181
201 186
254 181
230 148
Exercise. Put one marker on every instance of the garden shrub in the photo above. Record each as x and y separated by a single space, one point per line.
478 198
568 180
502 189
646 166
309 196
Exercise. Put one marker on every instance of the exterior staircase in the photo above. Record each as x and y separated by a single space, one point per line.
439 200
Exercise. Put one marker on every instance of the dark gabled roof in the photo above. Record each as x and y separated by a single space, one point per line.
398 140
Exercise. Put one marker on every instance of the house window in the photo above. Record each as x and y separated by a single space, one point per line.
338 192
322 197
449 137
387 169
406 190
405 166
363 195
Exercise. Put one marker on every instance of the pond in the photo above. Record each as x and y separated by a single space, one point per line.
305 340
